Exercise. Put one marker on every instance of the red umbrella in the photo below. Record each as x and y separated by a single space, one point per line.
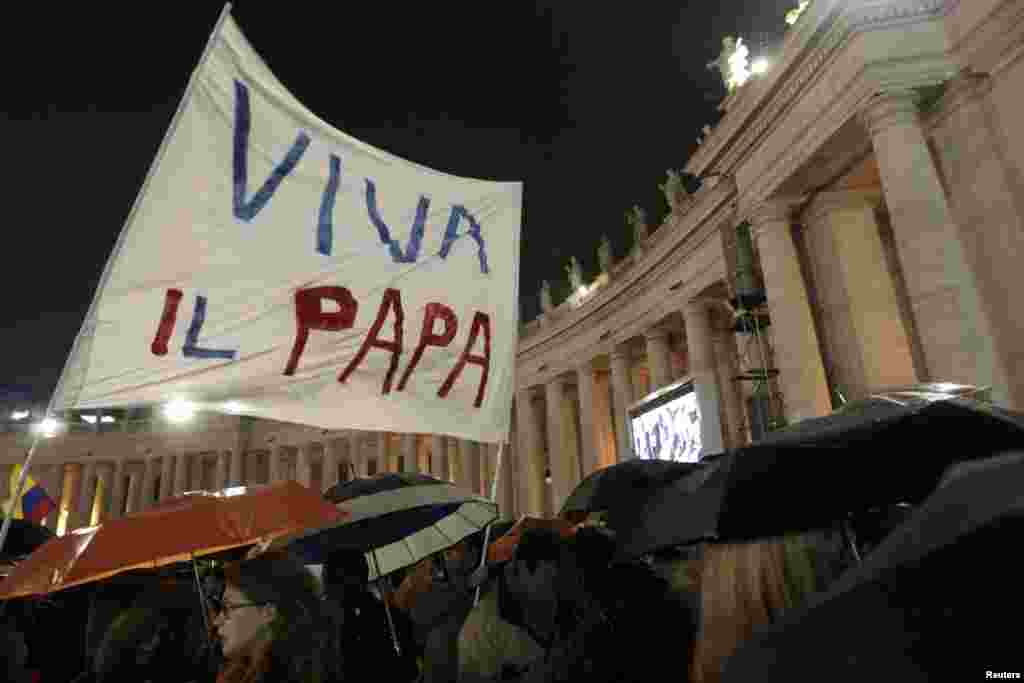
177 530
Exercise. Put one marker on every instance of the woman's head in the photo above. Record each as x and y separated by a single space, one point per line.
746 585
273 619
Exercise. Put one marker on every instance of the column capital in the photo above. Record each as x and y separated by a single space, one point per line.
826 203
890 108
769 214
656 332
585 365
700 305
559 381
967 85
620 352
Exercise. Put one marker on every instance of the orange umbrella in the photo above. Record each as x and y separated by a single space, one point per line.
177 530
502 549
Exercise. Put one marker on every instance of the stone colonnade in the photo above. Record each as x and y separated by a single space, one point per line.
91 489
577 420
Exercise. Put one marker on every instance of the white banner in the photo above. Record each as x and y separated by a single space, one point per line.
276 267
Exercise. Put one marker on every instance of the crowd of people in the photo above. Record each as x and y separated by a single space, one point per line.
565 605
559 610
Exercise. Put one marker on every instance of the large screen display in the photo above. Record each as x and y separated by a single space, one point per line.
668 428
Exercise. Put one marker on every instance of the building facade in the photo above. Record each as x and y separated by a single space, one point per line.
878 167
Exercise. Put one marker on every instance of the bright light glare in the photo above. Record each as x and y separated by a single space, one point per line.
91 419
107 419
179 411
48 427
233 407
20 414
759 66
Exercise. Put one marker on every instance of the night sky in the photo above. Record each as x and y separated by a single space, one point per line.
587 103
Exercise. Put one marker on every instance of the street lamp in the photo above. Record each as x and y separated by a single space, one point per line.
233 407
179 411
48 427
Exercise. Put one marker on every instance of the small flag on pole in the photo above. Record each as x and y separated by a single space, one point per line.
35 503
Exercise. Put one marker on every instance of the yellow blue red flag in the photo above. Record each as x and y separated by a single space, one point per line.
35 503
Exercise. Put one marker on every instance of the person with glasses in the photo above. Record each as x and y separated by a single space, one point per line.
273 626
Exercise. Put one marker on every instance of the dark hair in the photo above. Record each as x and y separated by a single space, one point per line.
304 630
160 637
538 545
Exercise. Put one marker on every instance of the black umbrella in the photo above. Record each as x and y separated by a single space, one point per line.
24 537
624 485
871 454
921 606
398 519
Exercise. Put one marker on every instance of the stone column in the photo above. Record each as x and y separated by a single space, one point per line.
622 395
700 348
797 353
487 455
987 201
471 462
104 475
275 465
562 456
144 490
55 488
357 454
958 338
237 476
659 357
197 470
167 470
384 464
587 436
727 362
866 338
222 478
505 470
457 473
437 457
86 495
134 494
531 451
117 491
604 428
180 473
303 464
408 447
334 451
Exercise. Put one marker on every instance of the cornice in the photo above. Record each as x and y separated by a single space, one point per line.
814 42
621 320
689 233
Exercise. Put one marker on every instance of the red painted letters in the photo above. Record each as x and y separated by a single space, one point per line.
428 338
310 315
392 299
481 321
167 321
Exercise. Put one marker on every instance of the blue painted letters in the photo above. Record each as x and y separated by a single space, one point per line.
325 227
191 348
452 233
412 250
246 209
